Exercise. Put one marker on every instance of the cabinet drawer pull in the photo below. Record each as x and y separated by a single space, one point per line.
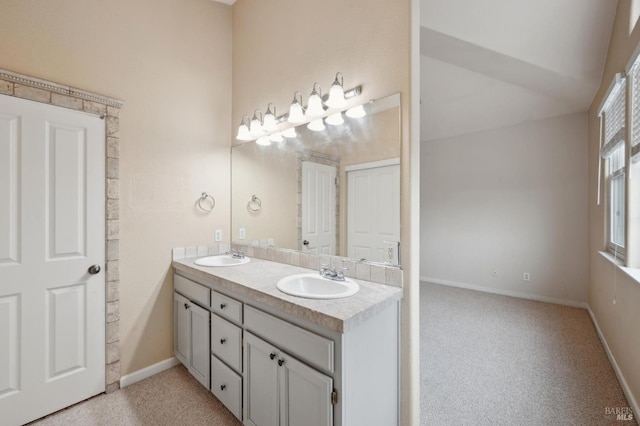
223 305
222 341
223 387
186 306
280 362
272 355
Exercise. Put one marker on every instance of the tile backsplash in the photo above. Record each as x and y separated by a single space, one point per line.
377 273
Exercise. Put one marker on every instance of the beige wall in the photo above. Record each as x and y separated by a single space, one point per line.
170 61
287 45
513 199
618 322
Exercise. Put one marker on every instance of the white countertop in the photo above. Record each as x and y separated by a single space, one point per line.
257 280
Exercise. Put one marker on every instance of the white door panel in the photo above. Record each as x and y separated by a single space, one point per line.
52 311
319 208
373 211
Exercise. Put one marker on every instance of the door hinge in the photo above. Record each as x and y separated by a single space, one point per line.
334 397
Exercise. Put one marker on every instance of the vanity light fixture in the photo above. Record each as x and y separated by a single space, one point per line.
296 111
336 93
243 130
315 107
264 141
276 137
335 119
255 128
290 133
316 125
356 112
269 124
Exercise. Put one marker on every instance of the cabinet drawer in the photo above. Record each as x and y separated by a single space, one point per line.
192 291
226 307
226 386
310 347
226 342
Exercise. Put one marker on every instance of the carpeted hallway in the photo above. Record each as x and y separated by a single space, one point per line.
495 360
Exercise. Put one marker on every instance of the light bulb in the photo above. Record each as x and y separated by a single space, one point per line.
255 128
264 141
269 123
243 130
290 133
316 125
336 93
356 112
335 119
314 107
276 137
296 112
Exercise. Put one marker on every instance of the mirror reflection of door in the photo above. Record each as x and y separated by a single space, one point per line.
373 211
318 208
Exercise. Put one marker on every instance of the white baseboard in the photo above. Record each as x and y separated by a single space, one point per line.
147 372
520 295
623 383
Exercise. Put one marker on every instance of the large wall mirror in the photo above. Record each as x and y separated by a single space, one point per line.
334 191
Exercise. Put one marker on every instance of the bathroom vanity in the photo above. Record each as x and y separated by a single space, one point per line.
275 359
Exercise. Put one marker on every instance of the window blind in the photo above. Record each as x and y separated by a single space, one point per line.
614 119
635 111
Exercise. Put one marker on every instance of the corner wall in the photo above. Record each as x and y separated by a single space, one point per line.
170 62
618 321
513 199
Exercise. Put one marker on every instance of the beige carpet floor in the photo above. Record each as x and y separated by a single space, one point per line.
497 360
170 398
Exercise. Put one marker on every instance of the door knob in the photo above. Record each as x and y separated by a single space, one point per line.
94 269
305 242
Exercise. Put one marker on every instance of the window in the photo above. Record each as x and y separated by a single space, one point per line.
613 114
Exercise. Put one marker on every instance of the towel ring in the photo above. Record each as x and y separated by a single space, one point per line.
205 197
254 205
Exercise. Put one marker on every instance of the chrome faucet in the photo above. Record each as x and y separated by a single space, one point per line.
237 254
332 274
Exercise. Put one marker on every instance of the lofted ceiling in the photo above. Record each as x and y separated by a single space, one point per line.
495 63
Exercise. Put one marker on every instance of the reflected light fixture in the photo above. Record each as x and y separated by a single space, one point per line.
276 137
356 112
335 119
290 133
269 123
243 130
336 93
296 112
255 128
316 125
264 141
314 106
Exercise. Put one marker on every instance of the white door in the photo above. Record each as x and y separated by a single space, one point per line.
373 212
52 225
318 208
199 341
260 382
181 331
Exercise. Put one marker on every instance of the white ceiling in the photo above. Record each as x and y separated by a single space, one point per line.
494 63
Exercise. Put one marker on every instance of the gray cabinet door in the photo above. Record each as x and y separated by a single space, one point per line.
260 382
181 331
305 394
199 348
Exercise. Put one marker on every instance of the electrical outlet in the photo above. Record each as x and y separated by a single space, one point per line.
243 234
526 276
494 273
218 235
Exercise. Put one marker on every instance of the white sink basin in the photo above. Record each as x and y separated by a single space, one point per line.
221 260
313 286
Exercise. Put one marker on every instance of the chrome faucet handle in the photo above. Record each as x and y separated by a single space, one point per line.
340 273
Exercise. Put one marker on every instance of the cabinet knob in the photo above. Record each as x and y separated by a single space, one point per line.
280 362
223 305
186 306
223 387
222 341
272 355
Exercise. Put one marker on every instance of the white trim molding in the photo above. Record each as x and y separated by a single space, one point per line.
502 292
147 372
616 368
